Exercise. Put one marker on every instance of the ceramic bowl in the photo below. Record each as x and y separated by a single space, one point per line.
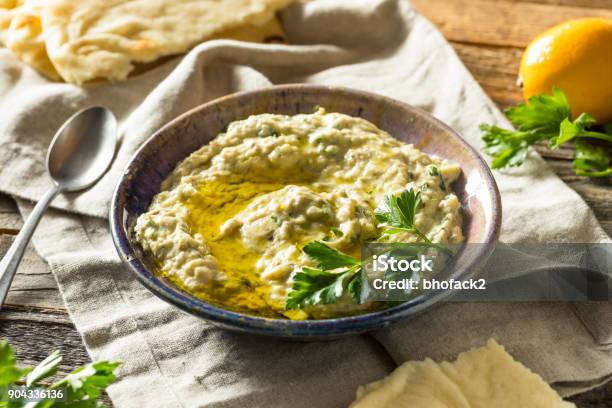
175 141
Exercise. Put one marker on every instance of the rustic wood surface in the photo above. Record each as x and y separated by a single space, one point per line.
488 36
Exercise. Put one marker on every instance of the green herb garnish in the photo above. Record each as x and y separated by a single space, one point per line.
433 171
398 214
542 118
277 220
337 273
591 160
267 131
337 232
83 385
327 257
86 383
313 286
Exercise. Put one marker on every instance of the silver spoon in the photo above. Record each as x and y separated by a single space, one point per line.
80 153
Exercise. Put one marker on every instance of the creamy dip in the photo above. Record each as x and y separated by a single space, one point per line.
231 218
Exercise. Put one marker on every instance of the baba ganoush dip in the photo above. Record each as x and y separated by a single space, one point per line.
231 219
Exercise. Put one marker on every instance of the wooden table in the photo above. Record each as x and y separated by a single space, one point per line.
489 37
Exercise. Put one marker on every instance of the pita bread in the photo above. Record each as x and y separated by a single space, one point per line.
21 32
480 378
85 40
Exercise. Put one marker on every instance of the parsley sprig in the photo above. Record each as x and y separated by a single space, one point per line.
547 118
83 386
337 273
397 214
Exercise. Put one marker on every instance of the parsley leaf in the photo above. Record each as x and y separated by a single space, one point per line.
315 286
323 286
591 160
328 257
87 382
399 211
508 148
543 117
542 112
277 220
358 287
569 130
337 232
9 372
398 214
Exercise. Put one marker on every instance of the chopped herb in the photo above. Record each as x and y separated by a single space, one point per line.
277 220
363 212
327 210
267 131
336 231
442 184
433 171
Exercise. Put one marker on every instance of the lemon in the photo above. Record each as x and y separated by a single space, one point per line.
575 56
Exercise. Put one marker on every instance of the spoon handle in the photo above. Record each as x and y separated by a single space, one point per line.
10 262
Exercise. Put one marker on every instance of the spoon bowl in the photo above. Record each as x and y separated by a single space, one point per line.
82 149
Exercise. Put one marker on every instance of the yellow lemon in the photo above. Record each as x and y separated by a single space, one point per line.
575 56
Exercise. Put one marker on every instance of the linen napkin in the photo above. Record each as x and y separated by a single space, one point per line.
173 359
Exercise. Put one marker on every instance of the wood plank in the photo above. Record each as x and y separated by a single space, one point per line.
33 285
499 23
35 314
47 298
10 221
495 69
34 340
31 264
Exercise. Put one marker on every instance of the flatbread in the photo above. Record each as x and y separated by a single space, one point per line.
480 378
85 40
21 32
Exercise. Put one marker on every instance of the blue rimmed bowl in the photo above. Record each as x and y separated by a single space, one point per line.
156 159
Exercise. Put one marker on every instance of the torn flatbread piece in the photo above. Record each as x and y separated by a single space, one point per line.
21 32
484 377
84 40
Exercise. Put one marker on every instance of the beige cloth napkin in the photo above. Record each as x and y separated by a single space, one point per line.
173 359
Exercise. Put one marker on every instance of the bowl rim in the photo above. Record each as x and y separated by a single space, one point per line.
285 327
